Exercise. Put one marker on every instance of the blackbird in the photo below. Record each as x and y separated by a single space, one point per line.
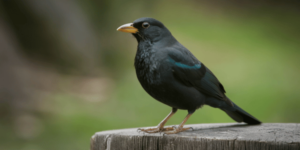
171 74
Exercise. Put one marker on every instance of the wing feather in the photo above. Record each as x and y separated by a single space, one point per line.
192 73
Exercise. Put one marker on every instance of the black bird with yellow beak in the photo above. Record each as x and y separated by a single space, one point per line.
171 74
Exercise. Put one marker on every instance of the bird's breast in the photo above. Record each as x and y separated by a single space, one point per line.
147 69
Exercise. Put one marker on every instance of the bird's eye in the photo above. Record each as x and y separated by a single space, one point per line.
145 25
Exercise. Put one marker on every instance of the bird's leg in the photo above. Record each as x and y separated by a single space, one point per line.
180 128
160 126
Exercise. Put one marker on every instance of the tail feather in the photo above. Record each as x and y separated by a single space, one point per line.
239 115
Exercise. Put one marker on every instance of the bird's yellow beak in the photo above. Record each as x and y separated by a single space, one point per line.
128 28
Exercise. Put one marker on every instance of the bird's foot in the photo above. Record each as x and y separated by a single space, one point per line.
176 130
155 130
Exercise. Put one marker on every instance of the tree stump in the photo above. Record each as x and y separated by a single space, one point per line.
226 136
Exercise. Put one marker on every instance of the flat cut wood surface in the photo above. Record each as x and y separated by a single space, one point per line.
227 136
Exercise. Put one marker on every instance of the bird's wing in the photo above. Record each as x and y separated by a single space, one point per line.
192 73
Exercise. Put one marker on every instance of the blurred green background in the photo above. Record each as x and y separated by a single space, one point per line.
65 73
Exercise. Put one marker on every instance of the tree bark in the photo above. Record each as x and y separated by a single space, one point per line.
227 136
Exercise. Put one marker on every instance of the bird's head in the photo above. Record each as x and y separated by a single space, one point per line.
144 29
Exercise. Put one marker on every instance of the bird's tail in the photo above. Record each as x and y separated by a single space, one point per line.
239 115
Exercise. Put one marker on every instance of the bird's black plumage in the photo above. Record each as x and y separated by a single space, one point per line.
171 74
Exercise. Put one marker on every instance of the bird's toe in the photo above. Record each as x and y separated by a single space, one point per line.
150 130
176 130
157 129
169 128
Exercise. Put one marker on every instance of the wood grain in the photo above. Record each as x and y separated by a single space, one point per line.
229 136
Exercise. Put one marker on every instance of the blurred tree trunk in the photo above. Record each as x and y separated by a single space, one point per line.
36 36
15 80
53 32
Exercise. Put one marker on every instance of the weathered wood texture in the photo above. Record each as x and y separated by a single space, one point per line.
268 136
